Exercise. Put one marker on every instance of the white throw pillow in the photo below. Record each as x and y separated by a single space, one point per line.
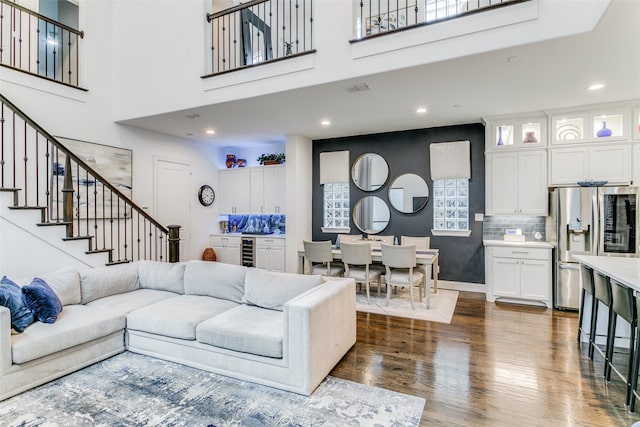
66 284
162 276
215 279
272 290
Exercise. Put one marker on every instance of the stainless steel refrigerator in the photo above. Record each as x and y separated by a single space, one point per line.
589 221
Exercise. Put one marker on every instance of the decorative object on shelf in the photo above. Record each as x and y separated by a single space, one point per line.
271 159
209 255
605 131
231 160
500 141
529 137
592 183
569 132
241 163
206 195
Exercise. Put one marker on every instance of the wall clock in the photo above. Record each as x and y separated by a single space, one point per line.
206 195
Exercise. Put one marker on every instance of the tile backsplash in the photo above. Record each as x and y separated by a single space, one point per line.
494 226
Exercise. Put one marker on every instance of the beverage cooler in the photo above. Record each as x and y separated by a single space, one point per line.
589 221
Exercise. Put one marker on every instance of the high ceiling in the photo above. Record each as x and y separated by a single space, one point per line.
534 77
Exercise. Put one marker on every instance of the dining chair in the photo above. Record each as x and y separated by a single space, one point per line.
379 240
348 238
420 243
357 264
320 257
400 262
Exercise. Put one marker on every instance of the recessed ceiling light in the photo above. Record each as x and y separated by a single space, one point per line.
596 86
210 131
325 122
421 110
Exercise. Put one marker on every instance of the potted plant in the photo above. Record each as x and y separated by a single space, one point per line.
271 159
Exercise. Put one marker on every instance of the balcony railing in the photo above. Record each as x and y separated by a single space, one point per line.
38 45
377 17
259 32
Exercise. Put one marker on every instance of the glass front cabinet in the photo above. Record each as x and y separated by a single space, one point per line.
506 132
600 125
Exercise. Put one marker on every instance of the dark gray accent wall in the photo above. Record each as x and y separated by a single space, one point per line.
461 258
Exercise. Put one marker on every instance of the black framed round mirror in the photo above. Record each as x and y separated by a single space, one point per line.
371 214
370 171
408 193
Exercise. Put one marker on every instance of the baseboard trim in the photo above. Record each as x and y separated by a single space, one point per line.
462 286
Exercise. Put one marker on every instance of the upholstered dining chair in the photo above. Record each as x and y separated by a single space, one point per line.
420 243
348 238
320 258
357 265
400 262
377 241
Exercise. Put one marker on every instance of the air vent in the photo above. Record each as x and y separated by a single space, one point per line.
358 87
192 116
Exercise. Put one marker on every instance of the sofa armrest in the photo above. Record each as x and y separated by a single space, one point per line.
5 340
321 328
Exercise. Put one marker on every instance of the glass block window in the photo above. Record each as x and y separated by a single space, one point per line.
336 205
451 204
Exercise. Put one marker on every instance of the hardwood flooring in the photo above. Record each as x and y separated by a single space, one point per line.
496 364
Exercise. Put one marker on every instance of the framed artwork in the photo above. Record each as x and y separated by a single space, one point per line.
112 163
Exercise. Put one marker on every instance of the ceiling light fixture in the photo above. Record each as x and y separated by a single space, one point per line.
210 131
421 110
325 122
596 86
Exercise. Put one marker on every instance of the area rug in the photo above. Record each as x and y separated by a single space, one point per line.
134 390
443 304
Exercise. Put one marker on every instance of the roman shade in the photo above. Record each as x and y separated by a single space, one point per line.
450 160
334 167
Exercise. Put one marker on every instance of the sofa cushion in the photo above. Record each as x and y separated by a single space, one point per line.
11 298
104 281
129 301
215 279
66 284
162 276
42 300
270 289
247 329
177 317
76 325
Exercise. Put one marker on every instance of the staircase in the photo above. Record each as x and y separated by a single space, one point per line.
57 211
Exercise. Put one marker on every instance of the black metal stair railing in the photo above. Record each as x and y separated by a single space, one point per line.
45 175
35 44
378 17
259 32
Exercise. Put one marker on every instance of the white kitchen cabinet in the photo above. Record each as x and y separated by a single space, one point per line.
517 183
235 189
516 131
519 274
611 163
268 190
227 248
599 123
270 253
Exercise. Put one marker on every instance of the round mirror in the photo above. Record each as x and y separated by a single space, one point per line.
369 172
408 193
371 214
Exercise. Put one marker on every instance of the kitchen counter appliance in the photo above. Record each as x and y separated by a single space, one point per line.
589 221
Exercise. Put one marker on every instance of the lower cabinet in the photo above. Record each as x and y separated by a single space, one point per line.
519 274
227 248
270 254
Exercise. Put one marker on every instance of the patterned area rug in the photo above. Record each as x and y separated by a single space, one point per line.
134 390
443 304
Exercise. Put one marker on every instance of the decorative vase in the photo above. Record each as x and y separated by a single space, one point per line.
231 160
500 141
241 163
530 137
209 255
604 132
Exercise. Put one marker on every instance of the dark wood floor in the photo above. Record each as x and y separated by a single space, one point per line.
496 364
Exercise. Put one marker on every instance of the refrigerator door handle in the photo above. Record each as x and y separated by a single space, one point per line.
568 266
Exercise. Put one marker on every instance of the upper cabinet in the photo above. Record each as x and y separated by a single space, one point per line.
516 131
600 123
256 190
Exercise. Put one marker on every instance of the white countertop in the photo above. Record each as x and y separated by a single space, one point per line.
525 244
266 236
622 269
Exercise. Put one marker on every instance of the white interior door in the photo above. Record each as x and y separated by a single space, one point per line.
172 202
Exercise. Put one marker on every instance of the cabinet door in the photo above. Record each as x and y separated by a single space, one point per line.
280 190
227 196
568 166
233 254
502 185
242 190
535 280
263 257
532 183
269 189
506 277
610 163
257 191
277 259
221 252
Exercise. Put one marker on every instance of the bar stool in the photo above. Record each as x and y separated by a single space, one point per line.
602 292
636 363
622 305
587 288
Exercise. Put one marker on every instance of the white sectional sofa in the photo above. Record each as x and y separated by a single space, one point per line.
282 330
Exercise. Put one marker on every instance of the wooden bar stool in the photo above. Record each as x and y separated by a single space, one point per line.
602 293
587 288
622 305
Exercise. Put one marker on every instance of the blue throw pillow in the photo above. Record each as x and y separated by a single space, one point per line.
42 301
11 297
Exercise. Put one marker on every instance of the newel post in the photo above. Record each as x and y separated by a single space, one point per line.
67 196
174 242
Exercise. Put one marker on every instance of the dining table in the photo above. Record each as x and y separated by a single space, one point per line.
425 257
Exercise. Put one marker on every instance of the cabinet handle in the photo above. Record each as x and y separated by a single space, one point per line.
519 252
